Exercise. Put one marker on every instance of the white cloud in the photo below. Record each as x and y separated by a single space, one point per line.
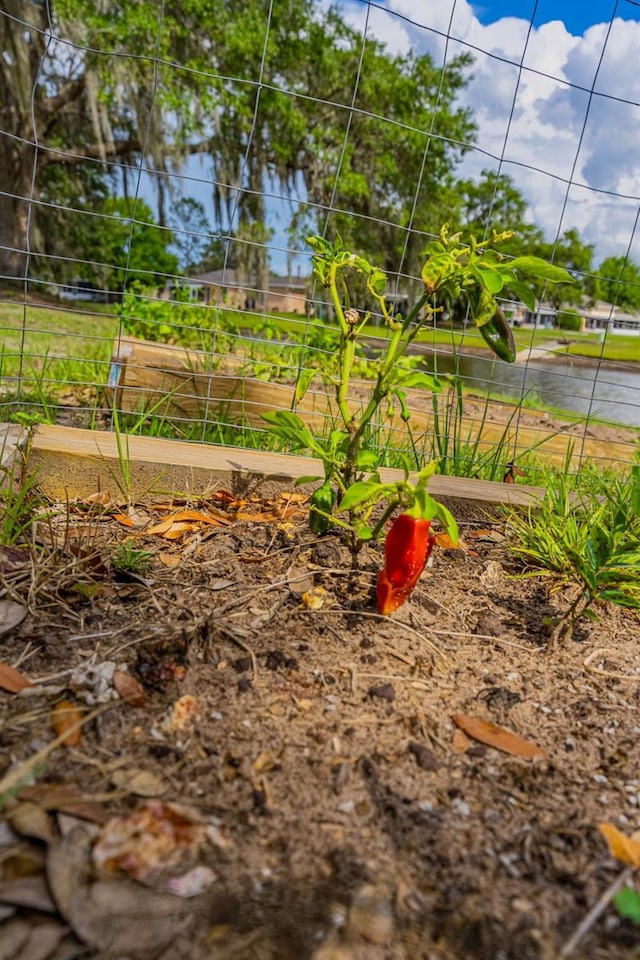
543 122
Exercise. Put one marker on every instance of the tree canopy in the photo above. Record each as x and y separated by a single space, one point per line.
92 93
617 281
101 104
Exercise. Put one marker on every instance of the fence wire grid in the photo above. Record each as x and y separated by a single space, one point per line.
154 340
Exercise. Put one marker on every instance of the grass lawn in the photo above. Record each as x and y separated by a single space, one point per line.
55 346
616 346
50 346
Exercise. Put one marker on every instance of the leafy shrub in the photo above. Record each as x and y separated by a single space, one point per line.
169 321
570 320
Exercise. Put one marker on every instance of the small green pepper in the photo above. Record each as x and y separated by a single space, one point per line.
323 499
499 335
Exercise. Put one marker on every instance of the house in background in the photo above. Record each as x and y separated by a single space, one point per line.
604 316
595 318
545 316
515 312
225 289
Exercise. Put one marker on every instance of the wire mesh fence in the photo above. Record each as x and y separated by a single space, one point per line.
156 195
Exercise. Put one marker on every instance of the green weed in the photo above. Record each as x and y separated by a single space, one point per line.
588 540
127 559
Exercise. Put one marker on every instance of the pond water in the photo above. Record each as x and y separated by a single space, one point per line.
607 392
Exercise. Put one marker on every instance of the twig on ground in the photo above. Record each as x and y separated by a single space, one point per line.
231 635
28 651
485 636
410 661
598 908
607 673
378 616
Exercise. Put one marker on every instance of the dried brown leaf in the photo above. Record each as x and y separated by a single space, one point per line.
460 741
141 783
30 820
622 847
64 798
68 867
128 688
499 737
170 560
15 933
30 892
64 716
159 528
12 614
193 516
300 581
178 529
103 498
11 680
445 542
123 918
124 519
42 941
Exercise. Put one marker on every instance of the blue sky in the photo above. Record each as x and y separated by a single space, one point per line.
556 107
575 157
577 15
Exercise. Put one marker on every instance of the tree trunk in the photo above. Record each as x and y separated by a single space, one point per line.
22 50
17 163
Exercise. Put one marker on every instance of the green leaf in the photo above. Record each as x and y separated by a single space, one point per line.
364 532
367 460
536 267
401 397
321 271
490 279
426 505
362 491
448 521
426 473
415 379
437 269
301 480
627 903
289 426
338 441
482 306
320 245
377 282
524 292
303 382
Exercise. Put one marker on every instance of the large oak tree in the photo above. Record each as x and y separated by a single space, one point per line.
90 92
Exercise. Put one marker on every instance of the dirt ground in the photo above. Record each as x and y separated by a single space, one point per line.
267 770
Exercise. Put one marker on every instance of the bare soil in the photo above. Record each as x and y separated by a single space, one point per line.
340 812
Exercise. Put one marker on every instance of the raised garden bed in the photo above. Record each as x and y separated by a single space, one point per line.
335 808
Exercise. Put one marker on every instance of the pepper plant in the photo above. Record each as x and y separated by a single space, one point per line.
352 487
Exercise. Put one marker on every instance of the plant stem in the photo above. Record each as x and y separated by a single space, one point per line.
346 350
383 519
398 343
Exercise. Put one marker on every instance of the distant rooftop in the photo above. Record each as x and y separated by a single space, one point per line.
229 278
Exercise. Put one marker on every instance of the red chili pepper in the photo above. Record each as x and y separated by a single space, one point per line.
406 550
